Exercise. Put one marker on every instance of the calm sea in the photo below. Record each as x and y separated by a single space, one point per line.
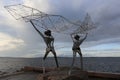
102 64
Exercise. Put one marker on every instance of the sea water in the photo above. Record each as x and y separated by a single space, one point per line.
100 64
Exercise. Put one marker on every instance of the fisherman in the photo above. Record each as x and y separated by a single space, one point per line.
76 49
49 40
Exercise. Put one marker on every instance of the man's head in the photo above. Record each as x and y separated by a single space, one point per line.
77 37
47 32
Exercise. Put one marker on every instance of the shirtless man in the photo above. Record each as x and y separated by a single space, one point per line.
76 49
49 40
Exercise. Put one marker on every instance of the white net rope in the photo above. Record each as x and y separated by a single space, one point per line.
86 25
55 23
23 12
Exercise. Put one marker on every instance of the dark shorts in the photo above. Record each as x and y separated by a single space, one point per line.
75 48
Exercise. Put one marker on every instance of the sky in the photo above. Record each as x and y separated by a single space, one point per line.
19 39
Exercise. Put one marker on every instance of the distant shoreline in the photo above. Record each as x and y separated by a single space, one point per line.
58 57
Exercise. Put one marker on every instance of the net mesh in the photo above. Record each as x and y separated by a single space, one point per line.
86 25
55 23
23 12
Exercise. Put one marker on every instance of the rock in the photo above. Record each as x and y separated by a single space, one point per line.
63 75
36 69
77 75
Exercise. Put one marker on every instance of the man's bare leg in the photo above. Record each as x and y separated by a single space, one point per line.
46 53
81 60
43 64
55 56
74 56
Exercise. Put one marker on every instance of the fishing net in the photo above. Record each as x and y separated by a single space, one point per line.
55 23
86 25
23 12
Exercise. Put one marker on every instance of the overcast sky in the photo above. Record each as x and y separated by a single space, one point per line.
19 39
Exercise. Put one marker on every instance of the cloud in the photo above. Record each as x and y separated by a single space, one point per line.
11 2
102 12
17 33
102 53
42 5
9 43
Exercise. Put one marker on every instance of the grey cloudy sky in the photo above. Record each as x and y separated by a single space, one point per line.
19 39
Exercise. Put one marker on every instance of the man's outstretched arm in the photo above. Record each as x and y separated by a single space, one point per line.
36 29
72 37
